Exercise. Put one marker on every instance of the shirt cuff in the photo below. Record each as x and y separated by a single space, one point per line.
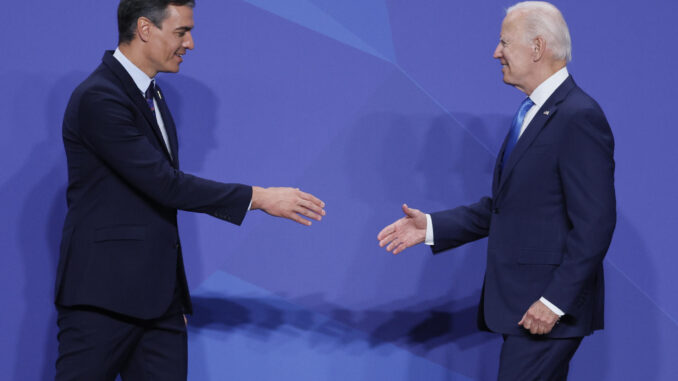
552 307
429 230
249 207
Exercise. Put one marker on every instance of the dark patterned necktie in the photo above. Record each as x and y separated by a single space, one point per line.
149 96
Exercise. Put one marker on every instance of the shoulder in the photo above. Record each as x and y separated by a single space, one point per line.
584 122
99 99
99 89
579 104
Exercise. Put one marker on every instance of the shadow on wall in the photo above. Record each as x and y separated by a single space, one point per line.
427 324
39 188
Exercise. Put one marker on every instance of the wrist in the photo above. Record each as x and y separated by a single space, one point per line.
257 197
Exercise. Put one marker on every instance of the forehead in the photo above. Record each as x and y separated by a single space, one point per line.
179 17
512 23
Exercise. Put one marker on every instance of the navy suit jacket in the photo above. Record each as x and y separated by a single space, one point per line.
120 247
549 220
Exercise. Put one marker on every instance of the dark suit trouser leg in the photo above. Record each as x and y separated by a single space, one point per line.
527 358
98 345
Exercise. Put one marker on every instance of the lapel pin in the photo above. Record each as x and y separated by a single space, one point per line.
546 112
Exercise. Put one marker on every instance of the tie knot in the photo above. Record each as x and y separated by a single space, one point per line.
526 105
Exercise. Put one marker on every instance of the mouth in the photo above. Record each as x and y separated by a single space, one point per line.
180 55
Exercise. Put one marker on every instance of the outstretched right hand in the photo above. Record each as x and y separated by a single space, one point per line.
290 203
406 232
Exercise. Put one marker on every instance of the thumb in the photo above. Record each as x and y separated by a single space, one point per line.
409 212
522 320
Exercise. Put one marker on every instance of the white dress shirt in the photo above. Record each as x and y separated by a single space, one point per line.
143 81
539 97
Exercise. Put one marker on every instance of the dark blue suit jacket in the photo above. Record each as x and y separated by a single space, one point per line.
549 221
120 247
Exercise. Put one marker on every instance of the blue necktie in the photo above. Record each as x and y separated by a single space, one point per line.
515 129
149 97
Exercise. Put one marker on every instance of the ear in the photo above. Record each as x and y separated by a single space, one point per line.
144 26
538 48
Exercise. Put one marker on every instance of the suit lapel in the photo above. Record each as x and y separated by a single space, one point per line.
497 166
540 120
135 95
170 128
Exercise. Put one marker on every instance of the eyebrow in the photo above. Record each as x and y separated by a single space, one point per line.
183 29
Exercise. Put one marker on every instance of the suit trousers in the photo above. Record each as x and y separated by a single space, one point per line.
532 358
95 344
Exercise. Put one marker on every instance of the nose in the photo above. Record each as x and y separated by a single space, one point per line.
188 41
497 51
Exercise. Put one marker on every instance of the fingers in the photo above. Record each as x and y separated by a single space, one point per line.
309 197
386 240
294 204
310 210
393 244
400 247
522 321
393 241
390 229
397 243
536 322
307 205
297 218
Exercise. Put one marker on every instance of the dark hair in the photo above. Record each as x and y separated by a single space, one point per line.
129 12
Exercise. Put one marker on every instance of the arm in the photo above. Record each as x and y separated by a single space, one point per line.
108 127
587 174
455 227
451 228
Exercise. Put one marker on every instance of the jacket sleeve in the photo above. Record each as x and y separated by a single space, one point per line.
586 166
108 128
455 227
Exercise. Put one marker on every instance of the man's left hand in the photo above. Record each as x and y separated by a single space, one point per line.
539 319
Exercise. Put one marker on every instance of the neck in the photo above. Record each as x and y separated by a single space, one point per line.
542 73
134 55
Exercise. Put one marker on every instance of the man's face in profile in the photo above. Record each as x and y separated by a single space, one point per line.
514 52
169 42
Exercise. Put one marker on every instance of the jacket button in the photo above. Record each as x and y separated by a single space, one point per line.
495 210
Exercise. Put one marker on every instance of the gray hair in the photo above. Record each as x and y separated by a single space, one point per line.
545 20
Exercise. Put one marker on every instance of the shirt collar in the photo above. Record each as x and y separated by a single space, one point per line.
548 87
138 76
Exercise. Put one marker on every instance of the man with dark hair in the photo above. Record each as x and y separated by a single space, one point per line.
154 10
121 290
552 210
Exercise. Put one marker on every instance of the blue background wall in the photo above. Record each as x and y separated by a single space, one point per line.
366 104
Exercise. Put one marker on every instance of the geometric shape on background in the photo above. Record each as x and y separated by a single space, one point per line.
639 340
312 17
367 19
